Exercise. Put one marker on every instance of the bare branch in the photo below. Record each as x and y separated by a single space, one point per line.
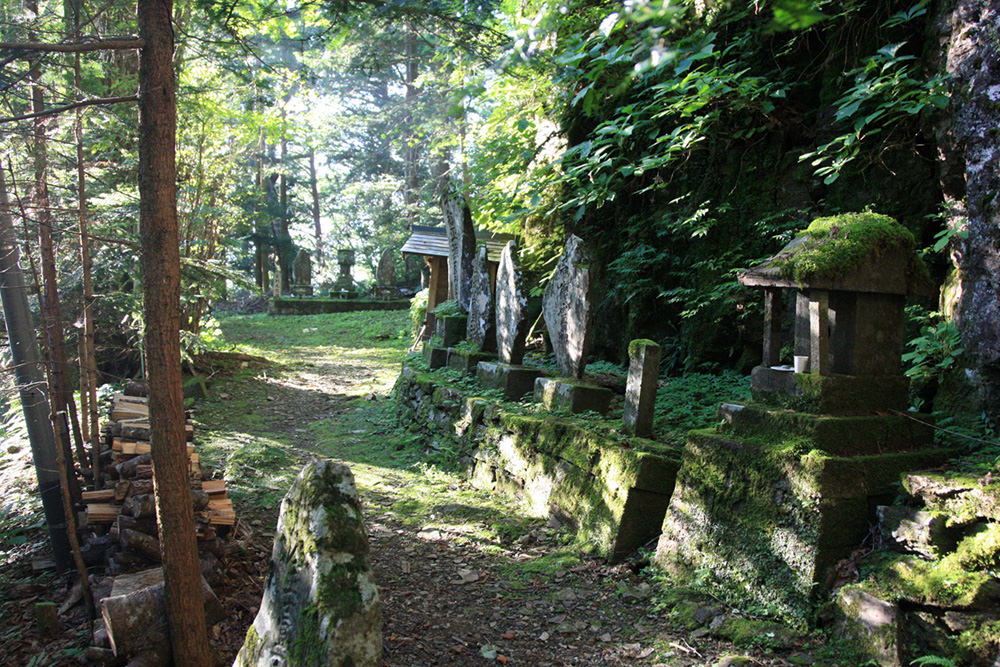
68 107
75 47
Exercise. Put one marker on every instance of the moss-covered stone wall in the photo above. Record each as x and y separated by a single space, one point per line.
612 490
312 306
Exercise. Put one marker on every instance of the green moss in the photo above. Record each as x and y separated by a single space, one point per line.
980 551
751 632
305 649
980 643
943 583
839 244
637 344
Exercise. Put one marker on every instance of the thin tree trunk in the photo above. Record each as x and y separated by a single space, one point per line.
411 171
285 237
314 188
30 380
161 291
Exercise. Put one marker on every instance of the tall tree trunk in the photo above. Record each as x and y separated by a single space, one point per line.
51 315
970 181
284 246
31 382
314 188
161 292
411 153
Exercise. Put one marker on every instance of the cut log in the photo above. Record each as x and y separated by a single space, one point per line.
130 411
143 544
121 490
101 513
214 486
136 389
201 500
135 614
129 468
124 522
144 472
138 487
100 496
139 430
139 507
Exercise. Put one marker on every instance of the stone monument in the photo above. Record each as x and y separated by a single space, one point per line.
344 287
320 605
385 276
771 500
512 322
302 274
640 390
461 246
481 331
567 309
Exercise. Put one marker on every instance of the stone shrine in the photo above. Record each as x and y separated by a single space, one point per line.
344 287
567 307
302 274
786 487
512 322
385 276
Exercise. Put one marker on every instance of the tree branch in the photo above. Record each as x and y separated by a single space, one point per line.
68 107
76 47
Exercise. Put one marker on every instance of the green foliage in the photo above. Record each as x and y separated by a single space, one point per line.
448 309
418 311
933 661
936 350
692 401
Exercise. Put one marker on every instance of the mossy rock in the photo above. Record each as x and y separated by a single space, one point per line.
942 584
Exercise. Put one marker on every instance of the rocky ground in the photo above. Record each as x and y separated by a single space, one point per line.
465 578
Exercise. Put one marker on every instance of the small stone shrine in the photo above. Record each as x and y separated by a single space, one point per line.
512 322
385 276
302 274
640 390
770 501
567 307
344 287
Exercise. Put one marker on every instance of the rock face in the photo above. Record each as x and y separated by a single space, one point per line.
385 275
511 307
480 328
320 604
969 181
302 268
567 308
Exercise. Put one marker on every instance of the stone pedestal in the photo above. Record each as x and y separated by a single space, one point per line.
467 360
571 395
302 290
451 330
771 500
436 357
514 380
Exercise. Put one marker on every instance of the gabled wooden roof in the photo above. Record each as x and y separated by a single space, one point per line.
433 242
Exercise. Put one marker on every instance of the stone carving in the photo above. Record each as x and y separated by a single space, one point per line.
302 268
345 283
385 274
320 603
511 307
461 246
566 307
480 329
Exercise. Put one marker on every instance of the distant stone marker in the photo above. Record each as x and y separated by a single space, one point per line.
385 275
480 330
640 391
344 287
566 307
302 268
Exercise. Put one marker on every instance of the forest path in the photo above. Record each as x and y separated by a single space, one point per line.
465 577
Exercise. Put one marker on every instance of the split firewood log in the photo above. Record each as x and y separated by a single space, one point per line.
146 545
129 468
140 506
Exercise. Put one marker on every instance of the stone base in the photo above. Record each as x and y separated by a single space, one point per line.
467 360
314 306
830 394
302 290
770 516
386 293
436 357
572 395
343 294
513 379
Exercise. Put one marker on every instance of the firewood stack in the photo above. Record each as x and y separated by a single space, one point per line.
126 503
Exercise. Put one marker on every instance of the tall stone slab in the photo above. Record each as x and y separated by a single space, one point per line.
511 307
302 268
480 330
567 308
320 605
461 246
640 391
385 274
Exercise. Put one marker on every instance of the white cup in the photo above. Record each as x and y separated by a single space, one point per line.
801 363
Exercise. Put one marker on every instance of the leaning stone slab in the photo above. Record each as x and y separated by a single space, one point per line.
511 307
514 380
572 396
320 604
871 624
567 308
640 391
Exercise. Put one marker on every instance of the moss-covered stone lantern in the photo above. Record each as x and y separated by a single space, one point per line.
786 486
851 274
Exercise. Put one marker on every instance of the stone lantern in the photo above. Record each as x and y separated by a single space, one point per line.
787 485
344 287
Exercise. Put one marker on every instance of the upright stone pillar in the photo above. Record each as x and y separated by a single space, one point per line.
640 391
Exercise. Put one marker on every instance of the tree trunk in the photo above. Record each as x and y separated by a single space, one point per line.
30 381
284 245
411 154
970 182
161 272
314 188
